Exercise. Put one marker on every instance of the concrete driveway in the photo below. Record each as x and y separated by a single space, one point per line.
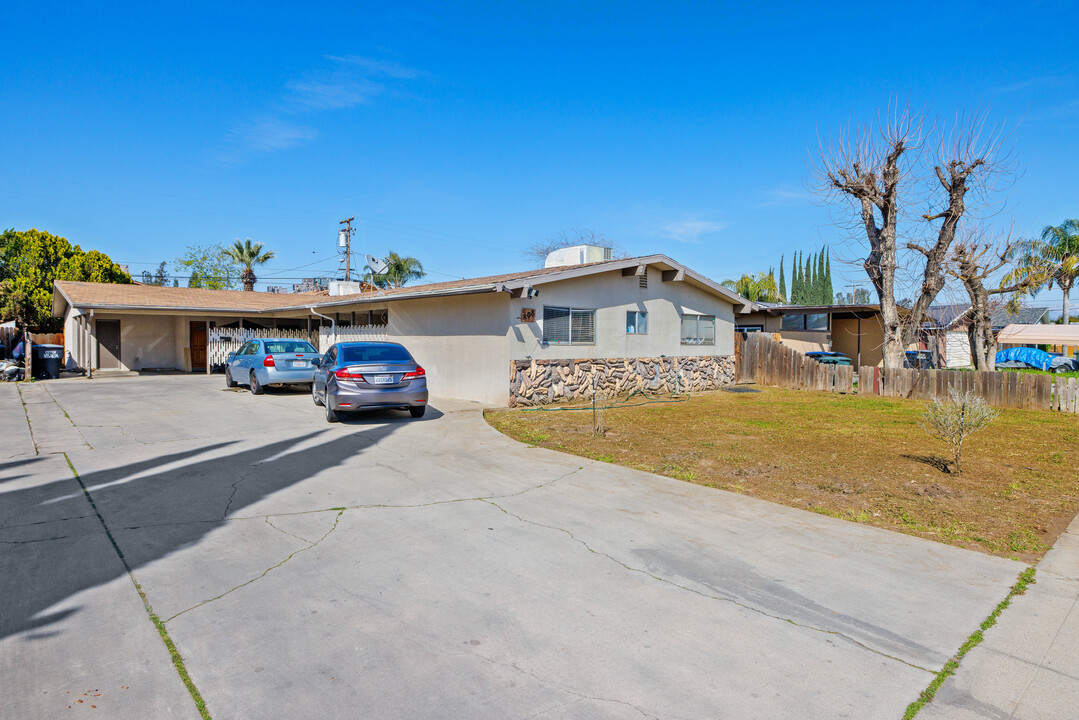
392 568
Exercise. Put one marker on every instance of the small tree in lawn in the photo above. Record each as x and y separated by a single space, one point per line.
955 417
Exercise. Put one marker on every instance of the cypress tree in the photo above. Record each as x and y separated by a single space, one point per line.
808 292
782 282
822 299
796 290
829 292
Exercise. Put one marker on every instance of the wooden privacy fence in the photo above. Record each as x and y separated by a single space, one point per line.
1021 391
762 360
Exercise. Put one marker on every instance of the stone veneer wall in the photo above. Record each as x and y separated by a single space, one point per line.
537 382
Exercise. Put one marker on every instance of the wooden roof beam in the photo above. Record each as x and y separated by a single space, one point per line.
635 271
674 276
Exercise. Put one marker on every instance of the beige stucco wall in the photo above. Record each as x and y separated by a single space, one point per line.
460 342
146 341
611 295
845 339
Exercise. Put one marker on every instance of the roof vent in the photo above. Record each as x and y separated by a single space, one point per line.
577 255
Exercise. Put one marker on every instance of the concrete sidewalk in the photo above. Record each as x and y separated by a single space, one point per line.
1027 668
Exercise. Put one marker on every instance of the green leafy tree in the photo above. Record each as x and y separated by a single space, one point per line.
31 260
209 267
399 272
810 283
1051 259
247 255
782 282
759 288
823 298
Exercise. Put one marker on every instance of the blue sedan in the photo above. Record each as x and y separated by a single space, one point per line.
271 361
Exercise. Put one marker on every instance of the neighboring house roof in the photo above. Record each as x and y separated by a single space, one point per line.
946 316
149 297
1000 316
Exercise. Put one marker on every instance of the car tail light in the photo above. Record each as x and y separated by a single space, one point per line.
417 373
268 362
347 374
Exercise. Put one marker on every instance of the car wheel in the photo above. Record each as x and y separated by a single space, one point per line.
331 414
256 389
418 411
314 395
228 379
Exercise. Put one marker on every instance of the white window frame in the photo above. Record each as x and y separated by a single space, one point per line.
697 340
638 316
569 322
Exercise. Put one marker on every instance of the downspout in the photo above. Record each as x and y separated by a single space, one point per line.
333 324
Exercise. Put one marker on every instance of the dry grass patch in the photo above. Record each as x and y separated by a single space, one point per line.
857 458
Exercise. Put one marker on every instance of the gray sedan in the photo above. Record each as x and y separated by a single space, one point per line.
271 361
369 375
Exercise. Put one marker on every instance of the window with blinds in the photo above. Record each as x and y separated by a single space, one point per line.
568 325
698 330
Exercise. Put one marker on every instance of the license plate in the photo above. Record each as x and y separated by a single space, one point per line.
381 379
299 363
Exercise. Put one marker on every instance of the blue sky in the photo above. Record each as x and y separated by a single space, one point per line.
462 133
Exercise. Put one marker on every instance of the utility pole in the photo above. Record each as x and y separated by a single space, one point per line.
346 235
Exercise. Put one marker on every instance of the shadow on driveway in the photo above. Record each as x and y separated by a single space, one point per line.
51 541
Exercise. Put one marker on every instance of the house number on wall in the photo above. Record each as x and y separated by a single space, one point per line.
528 314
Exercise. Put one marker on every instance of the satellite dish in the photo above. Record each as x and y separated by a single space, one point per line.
377 266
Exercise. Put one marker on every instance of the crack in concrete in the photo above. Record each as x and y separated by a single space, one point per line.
29 425
61 408
720 598
5 526
31 542
286 532
264 573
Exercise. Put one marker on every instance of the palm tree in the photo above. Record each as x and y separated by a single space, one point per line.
1053 258
759 288
247 254
399 271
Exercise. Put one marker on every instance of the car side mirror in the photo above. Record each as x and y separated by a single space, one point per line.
317 362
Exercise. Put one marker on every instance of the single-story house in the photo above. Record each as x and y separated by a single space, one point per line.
947 329
523 338
854 330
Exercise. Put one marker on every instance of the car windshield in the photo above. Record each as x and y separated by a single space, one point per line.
289 346
374 354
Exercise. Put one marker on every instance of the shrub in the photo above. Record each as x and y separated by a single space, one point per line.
954 417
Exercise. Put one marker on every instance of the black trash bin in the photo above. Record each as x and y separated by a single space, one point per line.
47 361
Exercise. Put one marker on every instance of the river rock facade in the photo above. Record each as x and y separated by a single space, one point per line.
538 382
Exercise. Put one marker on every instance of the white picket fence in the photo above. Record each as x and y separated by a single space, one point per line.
222 341
355 333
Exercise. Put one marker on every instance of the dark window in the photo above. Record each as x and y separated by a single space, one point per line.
374 354
698 330
289 346
793 322
817 322
568 325
636 322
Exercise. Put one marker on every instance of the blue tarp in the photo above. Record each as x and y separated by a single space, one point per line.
1031 356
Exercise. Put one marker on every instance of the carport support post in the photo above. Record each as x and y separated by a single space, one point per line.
207 345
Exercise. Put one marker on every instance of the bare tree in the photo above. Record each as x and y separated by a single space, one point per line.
973 260
538 252
877 171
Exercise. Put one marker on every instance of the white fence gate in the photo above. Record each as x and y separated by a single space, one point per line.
222 341
356 333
